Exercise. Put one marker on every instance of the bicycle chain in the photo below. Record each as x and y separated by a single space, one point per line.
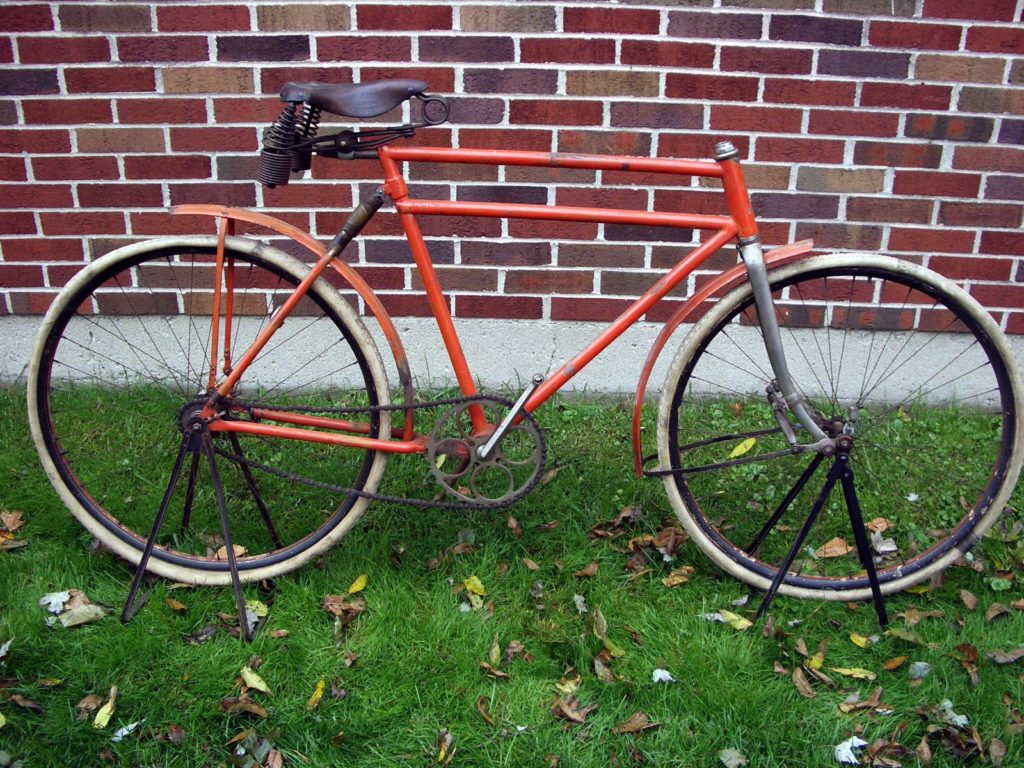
417 503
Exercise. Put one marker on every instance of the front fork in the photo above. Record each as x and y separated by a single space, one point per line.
753 258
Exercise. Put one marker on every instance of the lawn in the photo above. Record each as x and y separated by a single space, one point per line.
572 640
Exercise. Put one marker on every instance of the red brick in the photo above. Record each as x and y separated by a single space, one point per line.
82 223
995 39
305 195
120 195
362 47
925 240
772 61
1007 159
711 87
163 167
461 279
646 114
595 255
37 17
583 309
471 50
846 236
440 79
20 276
602 197
690 201
13 169
14 141
63 50
514 307
39 249
250 109
390 18
459 226
836 122
516 253
211 139
632 143
760 119
567 50
74 168
552 230
6 50
31 303
657 53
109 79
824 92
906 34
239 195
555 112
163 223
1002 243
166 109
699 145
889 209
17 223
510 81
906 96
527 175
1003 215
104 17
729 26
960 268
214 18
991 10
35 196
774 149
897 155
990 296
120 140
405 305
621 21
1015 323
935 184
163 48
272 78
503 138
67 111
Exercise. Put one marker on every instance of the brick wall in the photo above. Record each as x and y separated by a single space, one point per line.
888 125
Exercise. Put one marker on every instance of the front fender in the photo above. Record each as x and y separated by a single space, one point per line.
717 287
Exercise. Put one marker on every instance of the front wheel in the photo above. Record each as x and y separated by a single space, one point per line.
899 360
122 364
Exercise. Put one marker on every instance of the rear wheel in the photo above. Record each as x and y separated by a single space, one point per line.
898 359
122 363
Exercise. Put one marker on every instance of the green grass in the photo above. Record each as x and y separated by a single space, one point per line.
418 670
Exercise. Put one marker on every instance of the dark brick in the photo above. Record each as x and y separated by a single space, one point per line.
711 87
639 233
363 47
514 307
62 50
503 193
774 61
992 100
163 48
105 17
263 48
903 35
1004 188
657 53
555 112
8 113
508 254
816 29
1011 132
28 82
949 127
657 115
510 81
775 205
1002 215
715 25
472 50
27 18
567 50
1005 39
893 66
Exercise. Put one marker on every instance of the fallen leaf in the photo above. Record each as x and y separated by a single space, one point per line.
735 621
1006 657
742 448
201 636
878 525
923 751
635 723
26 703
855 672
678 577
222 553
894 663
548 526
318 693
497 674
912 616
253 680
996 752
49 682
175 735
337 692
569 682
175 605
589 571
779 669
569 709
474 585
346 611
861 641
277 634
833 548
481 707
88 705
494 652
337 738
358 585
11 519
81 614
995 611
257 608
598 624
233 705
732 758
515 527
910 637
969 600
445 748
3 720
530 565
105 712
802 686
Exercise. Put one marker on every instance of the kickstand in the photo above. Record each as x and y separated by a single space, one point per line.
843 474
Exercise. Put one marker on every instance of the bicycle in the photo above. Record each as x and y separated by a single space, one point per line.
802 367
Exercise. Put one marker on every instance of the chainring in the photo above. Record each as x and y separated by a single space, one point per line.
513 467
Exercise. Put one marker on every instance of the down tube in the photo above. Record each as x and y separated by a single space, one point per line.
628 318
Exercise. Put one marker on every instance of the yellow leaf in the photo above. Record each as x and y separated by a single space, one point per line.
3 720
612 648
894 663
494 653
857 672
917 589
860 640
176 605
252 680
735 621
743 448
474 585
358 585
106 711
258 608
314 700
678 577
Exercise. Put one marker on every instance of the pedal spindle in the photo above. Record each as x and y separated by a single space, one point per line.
308 124
276 156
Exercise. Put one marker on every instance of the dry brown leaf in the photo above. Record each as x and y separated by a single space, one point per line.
569 709
548 526
836 547
802 686
11 519
995 611
481 707
894 663
996 752
912 616
25 703
589 571
878 525
969 600
678 577
530 565
801 647
1006 657
222 553
636 723
923 751
779 669
346 610
176 605
497 674
236 704
515 527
